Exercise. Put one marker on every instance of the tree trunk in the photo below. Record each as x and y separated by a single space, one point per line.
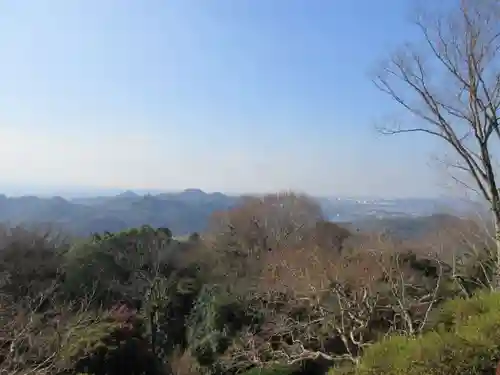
152 322
496 275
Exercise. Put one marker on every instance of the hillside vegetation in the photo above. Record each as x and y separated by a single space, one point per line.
270 287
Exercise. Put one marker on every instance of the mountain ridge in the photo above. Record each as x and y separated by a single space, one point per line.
184 212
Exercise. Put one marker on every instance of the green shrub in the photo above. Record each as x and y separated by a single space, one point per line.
470 346
111 345
30 262
214 321
90 270
460 310
114 266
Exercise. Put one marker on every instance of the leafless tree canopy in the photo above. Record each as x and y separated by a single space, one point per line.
450 85
270 222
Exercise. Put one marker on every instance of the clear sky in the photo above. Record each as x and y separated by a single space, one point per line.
227 95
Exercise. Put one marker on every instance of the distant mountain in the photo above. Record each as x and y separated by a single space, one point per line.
183 212
188 211
127 194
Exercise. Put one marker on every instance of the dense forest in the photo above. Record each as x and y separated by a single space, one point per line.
271 287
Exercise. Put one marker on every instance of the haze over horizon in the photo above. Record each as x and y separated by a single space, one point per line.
72 192
236 97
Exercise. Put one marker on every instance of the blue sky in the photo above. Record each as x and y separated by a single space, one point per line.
227 95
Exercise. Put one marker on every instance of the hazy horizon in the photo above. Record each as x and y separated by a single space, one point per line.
247 96
71 192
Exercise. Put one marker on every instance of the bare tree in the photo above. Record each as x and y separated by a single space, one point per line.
451 87
269 222
317 305
244 235
33 342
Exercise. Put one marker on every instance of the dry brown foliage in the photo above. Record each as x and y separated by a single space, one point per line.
344 296
32 343
270 222
183 363
260 240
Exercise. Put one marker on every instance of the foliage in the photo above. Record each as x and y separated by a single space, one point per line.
91 270
268 223
135 247
298 308
215 319
117 265
460 310
140 266
30 261
168 307
470 346
113 344
328 235
476 269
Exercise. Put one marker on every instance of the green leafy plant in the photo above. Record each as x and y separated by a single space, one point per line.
470 345
114 344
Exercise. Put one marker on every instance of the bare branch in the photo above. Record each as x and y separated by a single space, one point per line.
453 91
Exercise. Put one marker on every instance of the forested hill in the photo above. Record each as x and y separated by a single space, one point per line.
189 211
183 212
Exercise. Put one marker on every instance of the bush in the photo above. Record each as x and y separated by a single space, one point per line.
215 320
459 311
115 266
91 271
112 345
30 262
470 346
